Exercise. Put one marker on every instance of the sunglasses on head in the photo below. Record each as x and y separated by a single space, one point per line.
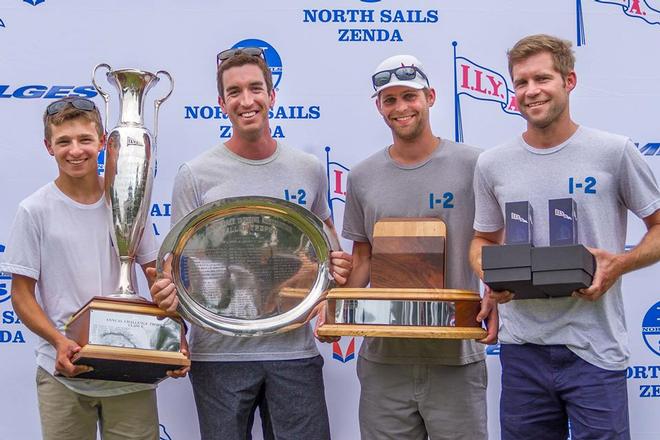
226 54
79 103
403 73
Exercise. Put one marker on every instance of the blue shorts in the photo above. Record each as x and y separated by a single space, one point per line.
543 386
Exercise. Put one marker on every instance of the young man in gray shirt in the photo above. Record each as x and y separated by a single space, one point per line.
417 388
565 358
228 373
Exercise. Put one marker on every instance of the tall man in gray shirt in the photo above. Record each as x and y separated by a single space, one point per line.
416 388
229 373
565 357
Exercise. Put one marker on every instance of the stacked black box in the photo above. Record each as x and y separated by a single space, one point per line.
564 266
539 272
560 270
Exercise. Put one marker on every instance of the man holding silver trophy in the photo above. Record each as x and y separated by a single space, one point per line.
60 249
229 373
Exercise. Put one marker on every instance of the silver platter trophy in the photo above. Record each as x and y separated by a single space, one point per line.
248 266
123 336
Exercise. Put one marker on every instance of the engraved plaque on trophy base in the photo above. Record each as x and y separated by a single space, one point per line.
127 340
406 298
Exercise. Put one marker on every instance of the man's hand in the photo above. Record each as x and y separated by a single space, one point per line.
608 270
66 349
181 372
501 297
163 291
320 311
489 313
341 265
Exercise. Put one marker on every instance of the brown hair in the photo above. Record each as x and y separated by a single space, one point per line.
560 50
69 113
242 59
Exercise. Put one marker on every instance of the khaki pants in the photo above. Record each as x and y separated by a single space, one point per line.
418 402
68 415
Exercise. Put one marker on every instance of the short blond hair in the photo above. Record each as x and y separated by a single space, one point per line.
562 55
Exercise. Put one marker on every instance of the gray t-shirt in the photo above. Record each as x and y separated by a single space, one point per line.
219 173
439 187
605 175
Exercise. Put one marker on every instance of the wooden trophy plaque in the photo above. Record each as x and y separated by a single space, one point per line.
127 340
407 298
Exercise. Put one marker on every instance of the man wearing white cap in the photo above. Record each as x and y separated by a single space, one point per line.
417 388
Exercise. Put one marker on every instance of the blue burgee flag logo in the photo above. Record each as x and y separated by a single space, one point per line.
479 82
641 9
2 23
34 2
646 10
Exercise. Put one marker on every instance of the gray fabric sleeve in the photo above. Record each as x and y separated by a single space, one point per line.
637 184
487 214
184 194
353 224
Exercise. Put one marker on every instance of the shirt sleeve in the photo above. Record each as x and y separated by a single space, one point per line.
487 213
353 225
23 253
637 184
184 194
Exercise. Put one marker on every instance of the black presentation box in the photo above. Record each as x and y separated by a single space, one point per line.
509 267
560 270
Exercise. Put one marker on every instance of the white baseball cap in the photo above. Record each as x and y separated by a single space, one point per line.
386 74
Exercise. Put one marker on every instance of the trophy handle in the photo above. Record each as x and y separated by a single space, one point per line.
158 102
103 93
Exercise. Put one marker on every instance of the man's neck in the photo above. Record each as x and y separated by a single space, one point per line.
86 190
550 136
410 152
258 149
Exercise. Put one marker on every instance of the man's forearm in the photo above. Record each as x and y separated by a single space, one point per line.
34 318
475 253
647 252
359 276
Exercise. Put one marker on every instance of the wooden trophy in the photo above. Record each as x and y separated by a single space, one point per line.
127 340
407 298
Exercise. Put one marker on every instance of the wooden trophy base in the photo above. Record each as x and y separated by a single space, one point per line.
427 313
127 340
407 298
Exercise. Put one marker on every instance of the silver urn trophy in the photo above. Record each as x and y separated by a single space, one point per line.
129 166
124 337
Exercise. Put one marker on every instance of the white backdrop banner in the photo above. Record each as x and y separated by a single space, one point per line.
322 54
